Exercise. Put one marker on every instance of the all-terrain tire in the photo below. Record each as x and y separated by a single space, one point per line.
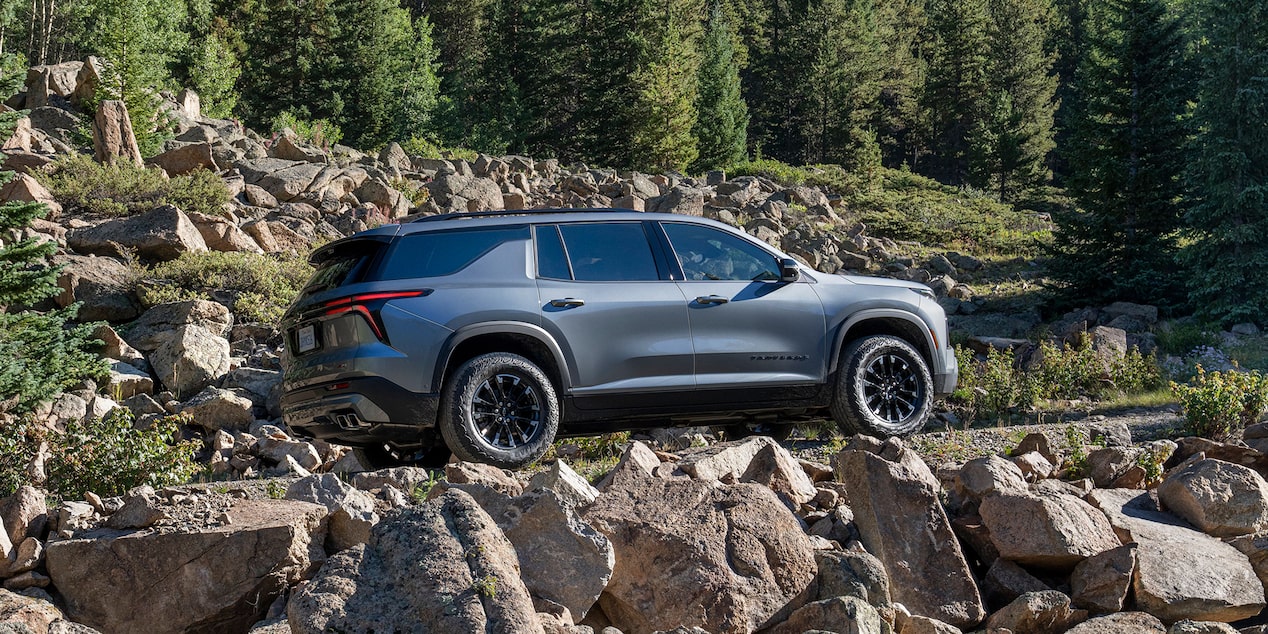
499 409
883 388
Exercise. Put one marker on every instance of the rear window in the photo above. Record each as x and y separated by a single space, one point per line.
436 254
344 266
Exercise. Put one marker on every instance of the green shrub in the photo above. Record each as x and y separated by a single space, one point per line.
124 188
426 148
264 285
106 456
320 132
1219 405
993 387
1182 337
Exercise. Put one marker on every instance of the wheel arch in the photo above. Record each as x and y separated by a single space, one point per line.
526 340
885 321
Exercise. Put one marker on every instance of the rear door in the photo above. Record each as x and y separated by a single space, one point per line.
607 298
748 328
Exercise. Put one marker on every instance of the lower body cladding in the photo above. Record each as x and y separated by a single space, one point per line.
360 411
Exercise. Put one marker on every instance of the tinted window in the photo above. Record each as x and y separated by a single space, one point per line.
706 253
552 262
444 253
341 267
609 252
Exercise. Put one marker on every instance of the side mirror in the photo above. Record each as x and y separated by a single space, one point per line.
789 271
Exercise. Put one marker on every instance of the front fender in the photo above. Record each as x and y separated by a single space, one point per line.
931 346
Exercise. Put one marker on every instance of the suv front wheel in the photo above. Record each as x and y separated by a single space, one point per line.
883 388
499 409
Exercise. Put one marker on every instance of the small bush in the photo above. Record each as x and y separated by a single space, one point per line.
993 387
320 132
263 285
1219 405
123 188
1182 337
106 456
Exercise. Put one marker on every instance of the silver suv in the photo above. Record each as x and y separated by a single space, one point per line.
489 334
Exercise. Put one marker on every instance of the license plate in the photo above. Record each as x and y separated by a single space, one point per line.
307 338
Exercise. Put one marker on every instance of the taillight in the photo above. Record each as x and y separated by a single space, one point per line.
367 305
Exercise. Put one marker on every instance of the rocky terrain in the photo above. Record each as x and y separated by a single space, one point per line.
1107 536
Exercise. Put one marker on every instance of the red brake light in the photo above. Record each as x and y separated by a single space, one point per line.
356 304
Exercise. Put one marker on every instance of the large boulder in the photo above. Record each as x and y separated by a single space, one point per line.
1121 623
895 499
1180 572
1101 582
843 615
102 285
1051 530
186 158
759 459
352 513
156 326
218 577
20 614
1220 498
691 553
24 514
440 567
221 234
112 135
1046 612
191 359
161 234
24 188
564 560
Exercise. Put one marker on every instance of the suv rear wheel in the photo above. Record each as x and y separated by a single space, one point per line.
883 388
499 409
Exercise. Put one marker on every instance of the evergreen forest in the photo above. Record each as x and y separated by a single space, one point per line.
1141 126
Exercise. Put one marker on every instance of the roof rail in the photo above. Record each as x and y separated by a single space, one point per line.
514 212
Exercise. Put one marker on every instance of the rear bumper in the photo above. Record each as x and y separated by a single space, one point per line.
362 411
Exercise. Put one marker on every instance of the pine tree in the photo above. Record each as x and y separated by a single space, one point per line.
722 121
1012 140
956 88
43 354
208 64
138 41
898 118
1228 175
553 78
665 109
288 62
1126 158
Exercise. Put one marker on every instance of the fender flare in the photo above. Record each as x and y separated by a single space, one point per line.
883 313
501 328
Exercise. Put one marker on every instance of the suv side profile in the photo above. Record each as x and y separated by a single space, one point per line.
490 334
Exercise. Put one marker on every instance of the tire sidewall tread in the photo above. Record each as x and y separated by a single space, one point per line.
848 409
457 426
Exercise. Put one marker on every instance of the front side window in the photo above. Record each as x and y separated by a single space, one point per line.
609 252
706 253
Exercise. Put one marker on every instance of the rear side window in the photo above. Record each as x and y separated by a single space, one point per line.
609 252
444 253
552 262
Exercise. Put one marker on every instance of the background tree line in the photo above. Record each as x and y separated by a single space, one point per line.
1149 114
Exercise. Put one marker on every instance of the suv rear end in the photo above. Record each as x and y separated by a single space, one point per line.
378 305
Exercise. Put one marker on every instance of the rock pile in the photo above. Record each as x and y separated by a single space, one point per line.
737 537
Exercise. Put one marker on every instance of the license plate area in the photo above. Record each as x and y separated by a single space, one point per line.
306 338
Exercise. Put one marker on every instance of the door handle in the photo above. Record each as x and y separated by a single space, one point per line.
711 299
567 302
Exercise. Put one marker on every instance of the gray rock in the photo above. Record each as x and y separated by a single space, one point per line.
1046 612
26 614
758 459
679 200
981 477
1200 627
844 615
853 573
694 553
1121 623
156 326
24 514
221 234
352 513
186 158
1049 530
126 381
1180 573
1101 582
215 408
102 285
219 578
900 520
572 489
1220 498
140 510
401 478
440 567
1005 581
161 234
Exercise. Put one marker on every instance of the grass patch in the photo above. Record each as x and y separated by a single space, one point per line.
262 285
80 183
